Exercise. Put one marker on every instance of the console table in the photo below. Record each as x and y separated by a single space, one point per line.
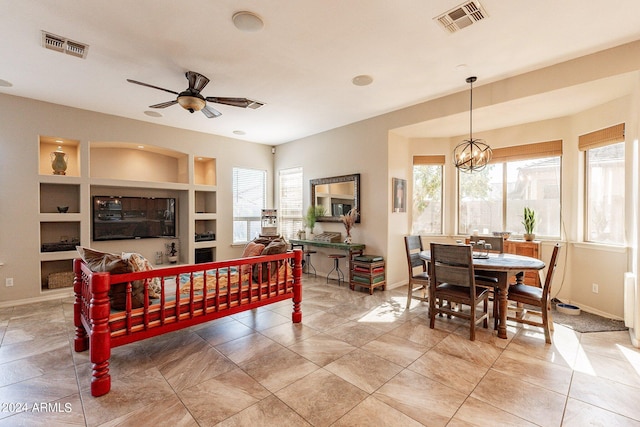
351 249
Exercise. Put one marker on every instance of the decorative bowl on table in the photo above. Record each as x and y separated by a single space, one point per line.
63 209
504 234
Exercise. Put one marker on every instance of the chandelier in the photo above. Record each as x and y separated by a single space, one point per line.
471 154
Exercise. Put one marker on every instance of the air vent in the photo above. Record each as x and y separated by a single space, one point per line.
255 105
461 16
61 44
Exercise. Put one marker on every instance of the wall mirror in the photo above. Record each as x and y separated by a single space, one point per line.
337 195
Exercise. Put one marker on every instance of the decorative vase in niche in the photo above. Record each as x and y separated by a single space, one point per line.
59 162
347 239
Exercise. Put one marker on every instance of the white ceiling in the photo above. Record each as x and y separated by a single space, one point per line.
302 62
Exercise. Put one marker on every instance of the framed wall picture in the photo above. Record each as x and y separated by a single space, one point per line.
399 195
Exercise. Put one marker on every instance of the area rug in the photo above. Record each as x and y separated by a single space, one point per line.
587 322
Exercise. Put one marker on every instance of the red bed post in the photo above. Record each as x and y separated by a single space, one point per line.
81 341
100 336
296 316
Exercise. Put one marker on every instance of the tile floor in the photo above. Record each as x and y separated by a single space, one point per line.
355 360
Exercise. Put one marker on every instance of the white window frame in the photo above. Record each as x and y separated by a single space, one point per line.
290 201
248 202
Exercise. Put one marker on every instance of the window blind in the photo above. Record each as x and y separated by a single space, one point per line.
249 198
428 160
527 151
290 202
602 137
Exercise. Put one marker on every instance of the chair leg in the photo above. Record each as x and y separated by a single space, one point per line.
432 312
545 325
485 306
409 294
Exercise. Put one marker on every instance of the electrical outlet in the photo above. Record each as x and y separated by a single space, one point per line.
8 281
594 288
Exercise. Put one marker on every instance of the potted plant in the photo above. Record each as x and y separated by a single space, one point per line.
529 223
310 220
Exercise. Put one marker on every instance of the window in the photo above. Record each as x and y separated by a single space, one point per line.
427 194
517 177
604 185
249 198
290 204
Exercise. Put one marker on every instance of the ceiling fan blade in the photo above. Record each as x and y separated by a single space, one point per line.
164 104
211 112
196 80
236 102
151 86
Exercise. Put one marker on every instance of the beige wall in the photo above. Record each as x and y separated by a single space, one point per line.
372 148
22 121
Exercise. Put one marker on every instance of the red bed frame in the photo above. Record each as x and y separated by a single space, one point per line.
181 303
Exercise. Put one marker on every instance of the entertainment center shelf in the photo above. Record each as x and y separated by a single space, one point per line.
129 171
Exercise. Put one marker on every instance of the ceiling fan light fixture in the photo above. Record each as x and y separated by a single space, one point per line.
247 21
472 154
191 103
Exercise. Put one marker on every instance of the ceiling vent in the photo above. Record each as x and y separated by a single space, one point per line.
461 16
60 44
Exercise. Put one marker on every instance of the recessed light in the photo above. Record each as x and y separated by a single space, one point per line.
5 83
153 113
362 80
247 21
199 158
141 147
59 141
239 132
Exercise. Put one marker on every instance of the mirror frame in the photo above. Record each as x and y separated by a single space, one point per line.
333 180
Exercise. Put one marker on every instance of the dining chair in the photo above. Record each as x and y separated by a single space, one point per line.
532 296
418 273
453 281
497 246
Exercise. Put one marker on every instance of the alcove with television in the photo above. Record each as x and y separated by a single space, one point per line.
128 217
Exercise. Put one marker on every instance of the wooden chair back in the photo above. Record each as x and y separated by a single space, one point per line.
452 264
546 289
413 246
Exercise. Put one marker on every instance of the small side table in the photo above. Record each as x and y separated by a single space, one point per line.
368 271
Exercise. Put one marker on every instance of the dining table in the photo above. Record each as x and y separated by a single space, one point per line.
502 266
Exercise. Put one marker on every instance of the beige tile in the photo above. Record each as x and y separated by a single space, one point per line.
613 344
322 349
562 351
421 398
170 412
279 369
270 412
219 398
606 394
579 414
420 333
531 402
243 350
475 413
396 349
451 371
321 397
323 321
355 333
535 371
373 412
64 412
128 393
477 352
219 333
622 370
289 333
45 343
34 366
364 370
264 320
203 364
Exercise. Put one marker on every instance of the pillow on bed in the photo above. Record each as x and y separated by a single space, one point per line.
139 263
277 246
113 263
252 249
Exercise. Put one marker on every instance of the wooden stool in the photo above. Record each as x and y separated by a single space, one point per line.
307 261
336 266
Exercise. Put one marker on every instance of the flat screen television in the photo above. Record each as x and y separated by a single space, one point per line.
118 218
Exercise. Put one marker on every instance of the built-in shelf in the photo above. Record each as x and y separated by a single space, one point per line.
204 171
71 149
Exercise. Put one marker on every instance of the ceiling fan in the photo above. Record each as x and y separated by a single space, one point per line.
192 101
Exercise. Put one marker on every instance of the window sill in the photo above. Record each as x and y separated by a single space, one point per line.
600 247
